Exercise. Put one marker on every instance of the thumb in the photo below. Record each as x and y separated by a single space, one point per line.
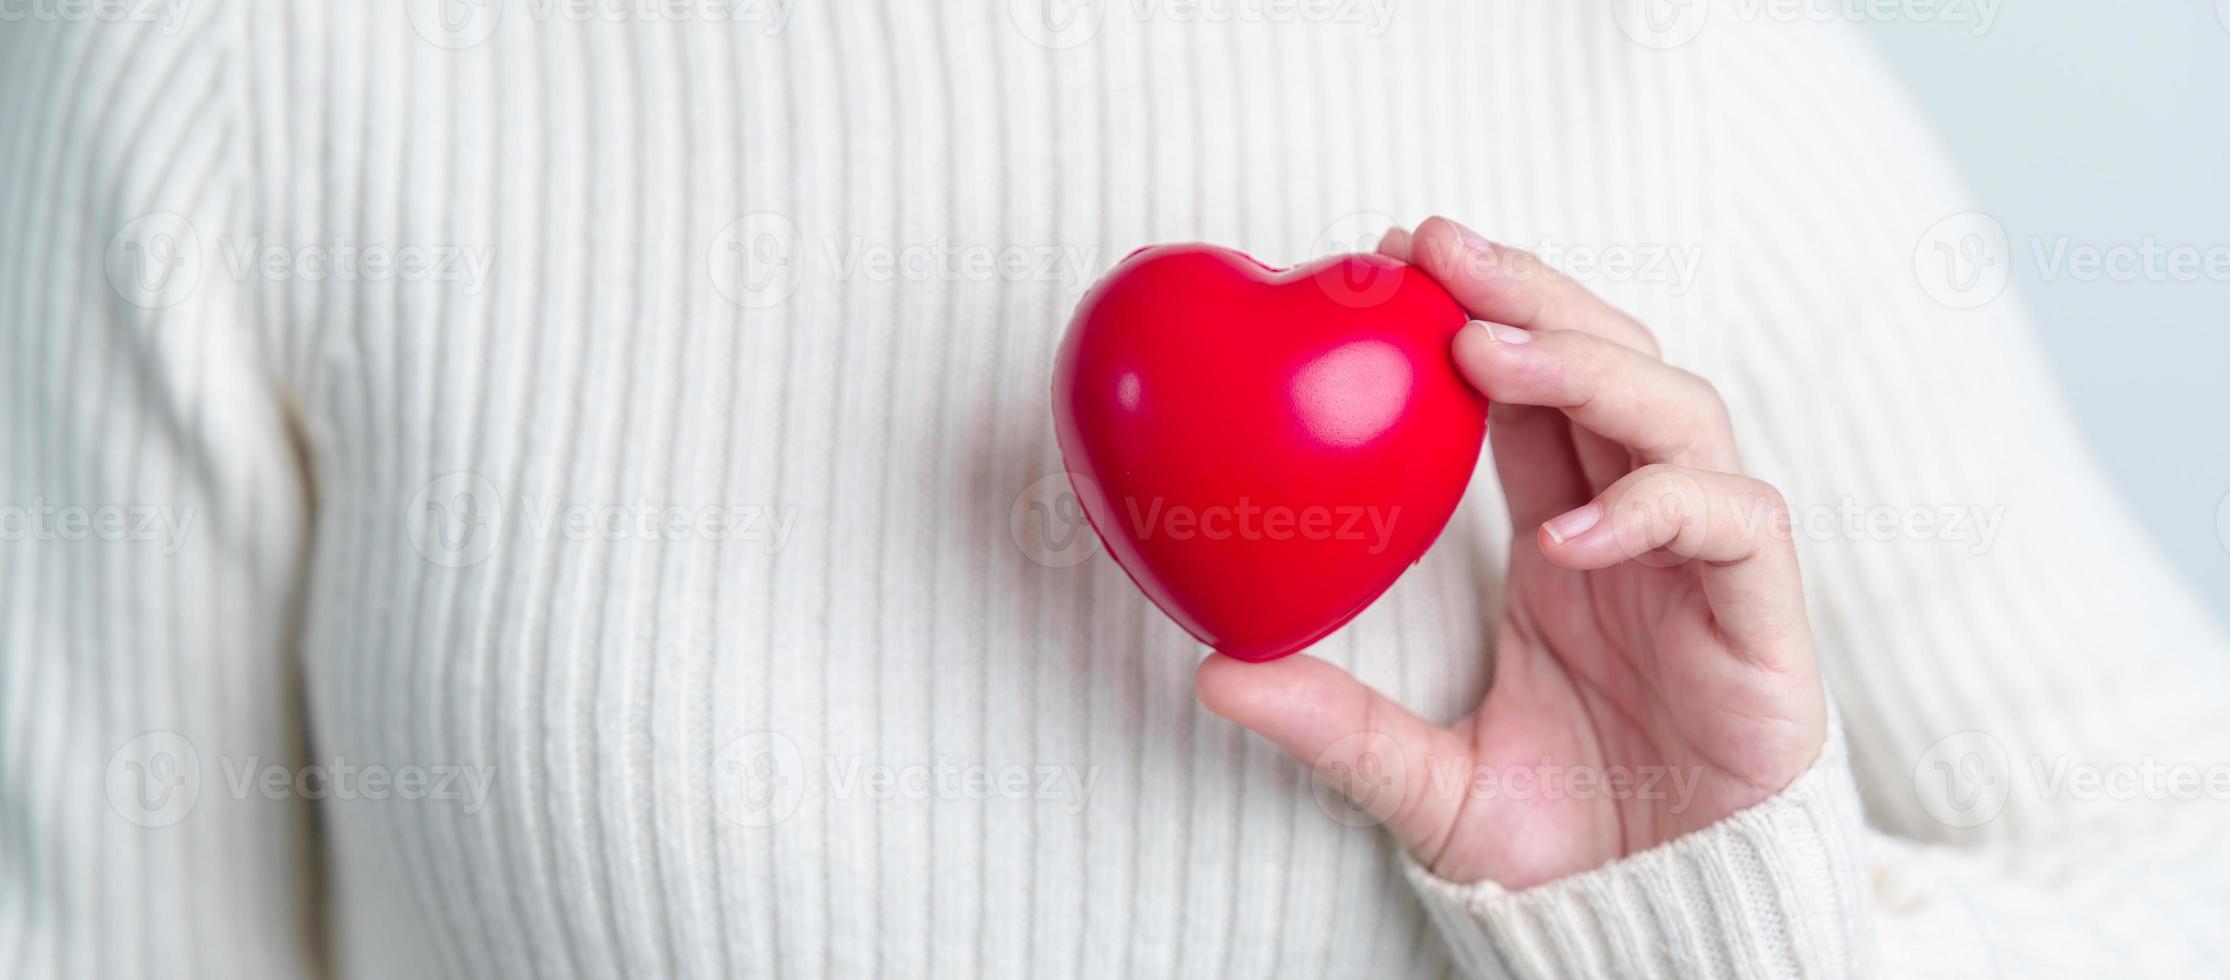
1372 751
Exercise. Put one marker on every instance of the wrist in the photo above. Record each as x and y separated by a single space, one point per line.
1778 888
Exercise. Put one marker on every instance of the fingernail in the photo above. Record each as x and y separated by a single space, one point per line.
1502 333
1472 239
1564 527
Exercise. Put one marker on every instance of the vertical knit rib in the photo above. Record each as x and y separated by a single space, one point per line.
893 408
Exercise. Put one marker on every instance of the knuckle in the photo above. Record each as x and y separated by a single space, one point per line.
1671 489
1707 423
1650 475
1774 520
1659 506
1702 389
1756 512
1655 477
1647 338
1767 493
1632 332
1704 402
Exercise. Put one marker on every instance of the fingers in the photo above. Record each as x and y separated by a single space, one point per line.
1395 244
1737 530
1536 462
1661 413
1508 285
1377 753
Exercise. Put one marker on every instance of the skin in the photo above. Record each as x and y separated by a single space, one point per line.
1654 624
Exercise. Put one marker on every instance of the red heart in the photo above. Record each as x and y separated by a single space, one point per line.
1264 452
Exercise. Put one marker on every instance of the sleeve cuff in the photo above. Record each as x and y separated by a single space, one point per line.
1777 890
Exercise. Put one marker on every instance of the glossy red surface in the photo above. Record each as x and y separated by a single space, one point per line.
1265 452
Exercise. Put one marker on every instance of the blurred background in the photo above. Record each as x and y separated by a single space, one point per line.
2098 129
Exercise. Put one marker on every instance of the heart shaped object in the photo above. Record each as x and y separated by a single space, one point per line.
1265 451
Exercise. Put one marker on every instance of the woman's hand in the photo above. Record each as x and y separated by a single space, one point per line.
1653 670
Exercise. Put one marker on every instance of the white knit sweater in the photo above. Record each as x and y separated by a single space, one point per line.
343 330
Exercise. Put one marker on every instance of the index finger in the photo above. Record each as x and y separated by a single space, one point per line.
1510 285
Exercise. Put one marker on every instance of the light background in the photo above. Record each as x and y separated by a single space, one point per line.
2108 124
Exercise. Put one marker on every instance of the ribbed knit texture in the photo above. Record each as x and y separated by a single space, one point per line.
1777 890
627 692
